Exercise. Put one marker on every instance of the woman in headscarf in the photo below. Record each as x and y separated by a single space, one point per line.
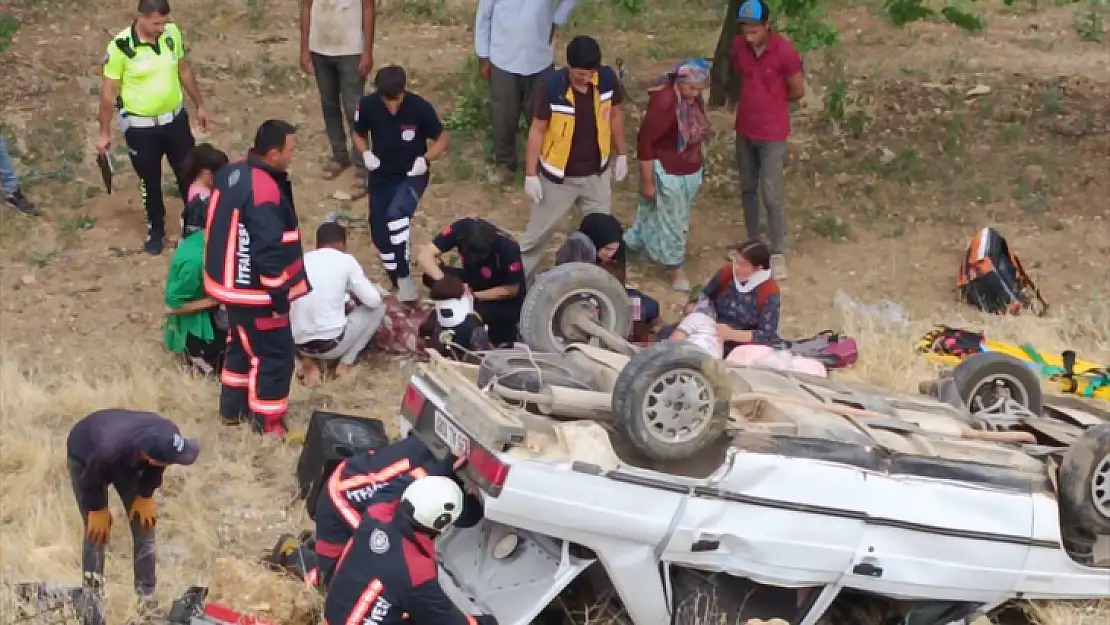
669 148
607 236
192 325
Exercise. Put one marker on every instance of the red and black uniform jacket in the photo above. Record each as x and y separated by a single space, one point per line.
377 477
253 256
388 576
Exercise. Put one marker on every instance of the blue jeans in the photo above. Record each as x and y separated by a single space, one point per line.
393 202
8 179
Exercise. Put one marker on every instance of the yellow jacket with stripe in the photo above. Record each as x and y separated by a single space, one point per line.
560 129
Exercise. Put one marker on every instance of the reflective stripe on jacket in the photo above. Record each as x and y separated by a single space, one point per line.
560 129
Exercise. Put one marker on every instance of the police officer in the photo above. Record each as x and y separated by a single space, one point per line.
253 265
491 267
390 569
145 73
129 450
365 480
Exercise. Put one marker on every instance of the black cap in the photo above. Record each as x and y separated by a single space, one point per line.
170 447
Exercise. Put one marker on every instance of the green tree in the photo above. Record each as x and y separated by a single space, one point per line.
803 22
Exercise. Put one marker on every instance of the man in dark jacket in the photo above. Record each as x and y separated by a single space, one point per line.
365 480
129 450
389 575
253 265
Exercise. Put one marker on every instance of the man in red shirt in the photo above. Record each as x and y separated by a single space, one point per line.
771 78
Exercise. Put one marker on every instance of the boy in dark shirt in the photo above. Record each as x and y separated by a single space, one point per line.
456 330
129 450
399 124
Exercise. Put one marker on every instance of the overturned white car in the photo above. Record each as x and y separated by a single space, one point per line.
672 477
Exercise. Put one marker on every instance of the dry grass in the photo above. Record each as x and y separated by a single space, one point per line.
80 314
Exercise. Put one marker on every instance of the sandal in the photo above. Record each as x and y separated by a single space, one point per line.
332 169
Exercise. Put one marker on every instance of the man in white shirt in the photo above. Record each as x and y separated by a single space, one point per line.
513 41
337 47
339 317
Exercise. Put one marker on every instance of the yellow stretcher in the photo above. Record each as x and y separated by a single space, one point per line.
950 346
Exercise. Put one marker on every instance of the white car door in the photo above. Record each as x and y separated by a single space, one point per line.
942 539
775 520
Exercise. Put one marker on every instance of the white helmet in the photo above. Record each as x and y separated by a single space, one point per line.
434 502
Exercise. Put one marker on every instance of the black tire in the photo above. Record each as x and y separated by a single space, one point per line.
640 382
1085 481
522 370
541 315
975 376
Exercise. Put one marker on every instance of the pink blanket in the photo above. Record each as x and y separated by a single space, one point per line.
763 356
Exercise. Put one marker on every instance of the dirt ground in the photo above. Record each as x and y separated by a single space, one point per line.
908 142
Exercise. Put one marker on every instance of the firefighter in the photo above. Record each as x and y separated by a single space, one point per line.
253 265
379 476
128 450
388 575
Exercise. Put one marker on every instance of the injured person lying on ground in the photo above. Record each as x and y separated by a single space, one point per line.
491 268
456 330
373 478
337 319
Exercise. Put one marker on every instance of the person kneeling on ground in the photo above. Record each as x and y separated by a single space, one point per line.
368 479
607 235
192 326
456 330
744 297
491 267
337 319
129 450
394 573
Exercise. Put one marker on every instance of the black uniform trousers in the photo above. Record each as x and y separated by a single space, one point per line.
393 202
147 147
258 366
92 554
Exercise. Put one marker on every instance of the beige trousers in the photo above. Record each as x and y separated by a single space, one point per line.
588 194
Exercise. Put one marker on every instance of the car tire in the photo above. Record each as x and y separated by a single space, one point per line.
524 370
541 323
653 372
1084 481
975 376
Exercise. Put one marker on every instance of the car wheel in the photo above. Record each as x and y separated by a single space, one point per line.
671 401
1085 481
986 378
544 319
523 370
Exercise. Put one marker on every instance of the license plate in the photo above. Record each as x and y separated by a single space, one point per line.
449 433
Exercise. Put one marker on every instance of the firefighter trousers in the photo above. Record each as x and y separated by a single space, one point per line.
258 368
393 202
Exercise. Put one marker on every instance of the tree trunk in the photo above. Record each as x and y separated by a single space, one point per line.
724 84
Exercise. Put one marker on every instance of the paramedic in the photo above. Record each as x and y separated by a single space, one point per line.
393 574
146 77
491 267
368 479
128 450
399 124
254 265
